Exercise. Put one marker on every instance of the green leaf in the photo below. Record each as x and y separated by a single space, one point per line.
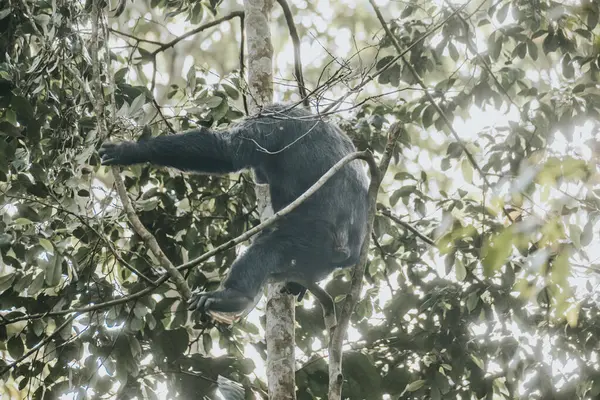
47 245
120 75
459 270
496 251
455 150
575 235
579 88
11 117
550 43
520 51
37 284
136 104
191 79
383 62
136 324
592 19
4 13
532 50
567 67
503 12
467 170
477 362
449 261
214 102
453 51
146 55
394 198
428 114
231 91
53 270
23 107
15 347
588 234
6 281
414 386
23 283
472 301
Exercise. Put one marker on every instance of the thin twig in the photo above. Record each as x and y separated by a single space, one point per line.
81 310
242 61
289 19
137 39
165 46
471 46
90 227
408 226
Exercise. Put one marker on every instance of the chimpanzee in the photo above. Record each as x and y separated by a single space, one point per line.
290 149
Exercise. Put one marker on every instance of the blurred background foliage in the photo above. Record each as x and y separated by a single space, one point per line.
482 281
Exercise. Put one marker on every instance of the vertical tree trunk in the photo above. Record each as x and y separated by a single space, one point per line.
280 308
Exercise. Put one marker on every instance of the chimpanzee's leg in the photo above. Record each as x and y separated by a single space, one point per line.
268 254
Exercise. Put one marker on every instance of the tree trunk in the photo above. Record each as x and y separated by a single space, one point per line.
279 331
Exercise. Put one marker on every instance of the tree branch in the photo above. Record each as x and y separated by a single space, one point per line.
408 226
337 334
38 346
95 307
362 155
201 28
137 225
149 238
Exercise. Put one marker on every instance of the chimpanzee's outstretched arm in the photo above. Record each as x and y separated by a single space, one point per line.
199 150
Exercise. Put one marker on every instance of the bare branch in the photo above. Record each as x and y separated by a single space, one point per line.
337 334
242 62
137 39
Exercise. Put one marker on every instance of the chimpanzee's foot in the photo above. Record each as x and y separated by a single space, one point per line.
294 289
226 300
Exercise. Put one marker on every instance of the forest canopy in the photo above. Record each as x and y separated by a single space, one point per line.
483 270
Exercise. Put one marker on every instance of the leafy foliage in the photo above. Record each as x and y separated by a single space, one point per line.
476 288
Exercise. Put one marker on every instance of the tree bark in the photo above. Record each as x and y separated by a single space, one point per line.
279 330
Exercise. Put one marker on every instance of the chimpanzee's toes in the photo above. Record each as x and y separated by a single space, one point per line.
294 289
226 300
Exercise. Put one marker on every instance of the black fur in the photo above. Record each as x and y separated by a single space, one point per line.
290 149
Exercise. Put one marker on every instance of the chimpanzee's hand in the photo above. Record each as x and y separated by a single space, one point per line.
125 153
